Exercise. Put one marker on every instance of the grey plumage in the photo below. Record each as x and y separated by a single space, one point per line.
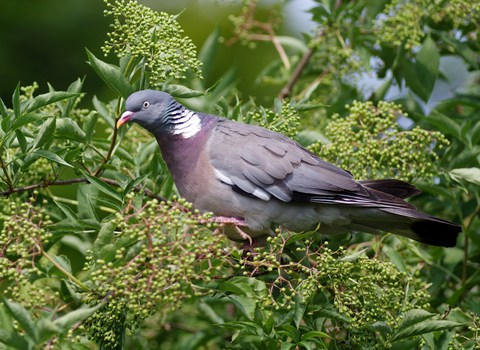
263 177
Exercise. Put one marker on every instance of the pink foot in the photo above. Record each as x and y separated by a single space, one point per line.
223 221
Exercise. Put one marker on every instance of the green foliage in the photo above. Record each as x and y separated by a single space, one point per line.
369 144
157 275
141 33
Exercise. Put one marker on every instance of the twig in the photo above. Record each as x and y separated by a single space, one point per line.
296 74
5 172
45 184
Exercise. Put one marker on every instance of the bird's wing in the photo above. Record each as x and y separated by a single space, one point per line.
263 163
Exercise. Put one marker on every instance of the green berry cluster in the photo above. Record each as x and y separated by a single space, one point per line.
404 21
155 37
369 144
163 256
21 237
286 121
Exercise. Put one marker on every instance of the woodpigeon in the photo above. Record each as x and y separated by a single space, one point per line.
256 178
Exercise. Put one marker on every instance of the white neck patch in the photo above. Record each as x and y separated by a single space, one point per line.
187 124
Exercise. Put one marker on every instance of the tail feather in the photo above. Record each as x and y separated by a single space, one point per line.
397 188
409 223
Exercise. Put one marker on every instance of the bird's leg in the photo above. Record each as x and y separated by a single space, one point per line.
223 221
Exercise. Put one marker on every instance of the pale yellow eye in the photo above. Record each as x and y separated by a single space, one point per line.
146 104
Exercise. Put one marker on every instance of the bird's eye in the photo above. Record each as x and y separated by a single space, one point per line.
146 104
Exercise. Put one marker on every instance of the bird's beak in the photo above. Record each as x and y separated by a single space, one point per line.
126 116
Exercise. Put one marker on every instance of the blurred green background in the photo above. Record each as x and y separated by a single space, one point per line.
45 41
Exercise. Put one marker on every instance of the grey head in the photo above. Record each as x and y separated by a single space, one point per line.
147 108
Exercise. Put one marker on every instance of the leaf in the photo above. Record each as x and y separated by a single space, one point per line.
468 174
103 186
49 98
63 261
69 129
16 103
105 236
75 88
315 334
45 134
21 315
67 211
461 48
25 119
354 256
287 346
51 156
420 76
104 112
3 110
111 75
67 321
425 327
300 308
395 258
329 312
290 331
22 141
89 125
237 288
413 317
380 326
245 304
307 137
248 327
180 91
208 53
444 123
11 338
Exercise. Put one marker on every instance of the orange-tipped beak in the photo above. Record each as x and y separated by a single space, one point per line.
126 116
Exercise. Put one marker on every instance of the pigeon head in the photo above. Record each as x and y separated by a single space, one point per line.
147 108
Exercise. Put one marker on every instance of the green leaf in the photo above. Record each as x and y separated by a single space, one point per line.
16 103
315 334
461 48
444 123
21 315
307 137
180 91
64 262
67 211
395 258
248 327
208 53
89 125
22 141
290 331
67 321
329 311
300 308
69 129
108 203
245 304
237 288
3 110
111 75
354 256
105 236
46 328
11 338
468 174
287 346
27 118
475 133
406 344
380 326
425 327
49 98
45 134
103 186
104 112
420 76
413 317
92 213
75 88
51 156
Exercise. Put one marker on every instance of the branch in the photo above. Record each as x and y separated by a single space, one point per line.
45 184
296 74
